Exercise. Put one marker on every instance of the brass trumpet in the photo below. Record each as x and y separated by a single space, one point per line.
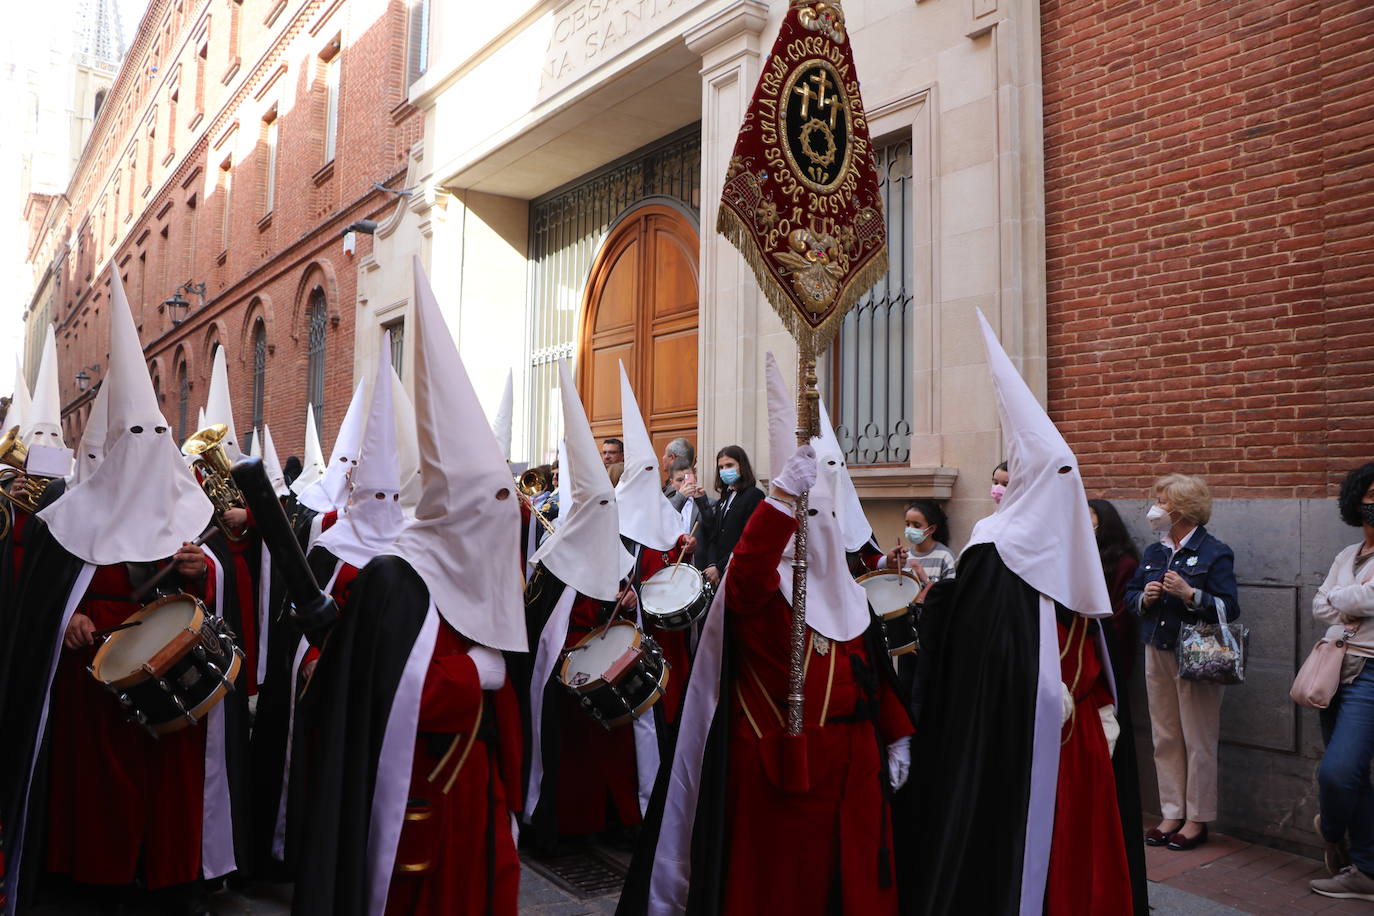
13 454
205 448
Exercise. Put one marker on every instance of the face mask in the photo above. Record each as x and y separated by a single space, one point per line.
1158 519
1367 513
998 491
915 535
729 476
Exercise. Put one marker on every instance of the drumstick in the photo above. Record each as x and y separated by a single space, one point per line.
166 571
101 634
683 553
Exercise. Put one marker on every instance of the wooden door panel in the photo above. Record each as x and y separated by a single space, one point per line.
619 293
641 307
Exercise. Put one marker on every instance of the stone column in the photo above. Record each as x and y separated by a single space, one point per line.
736 322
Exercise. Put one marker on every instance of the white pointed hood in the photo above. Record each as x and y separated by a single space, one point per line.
271 463
586 551
563 497
503 424
43 423
407 446
312 465
142 502
20 414
200 418
219 408
330 492
464 541
1041 529
855 531
836 605
646 516
370 522
91 451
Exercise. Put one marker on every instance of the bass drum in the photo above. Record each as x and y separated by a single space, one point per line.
171 668
618 673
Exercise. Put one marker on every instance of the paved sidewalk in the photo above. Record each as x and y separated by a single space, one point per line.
1226 876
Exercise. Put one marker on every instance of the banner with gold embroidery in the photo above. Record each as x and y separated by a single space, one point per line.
801 192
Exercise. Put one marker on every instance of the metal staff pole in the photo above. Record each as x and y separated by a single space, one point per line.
808 397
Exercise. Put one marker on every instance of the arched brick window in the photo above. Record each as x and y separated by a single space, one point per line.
259 374
315 367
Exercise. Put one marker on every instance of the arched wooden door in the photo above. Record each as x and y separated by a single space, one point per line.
641 308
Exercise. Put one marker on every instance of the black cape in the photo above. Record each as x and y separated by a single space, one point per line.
970 770
342 719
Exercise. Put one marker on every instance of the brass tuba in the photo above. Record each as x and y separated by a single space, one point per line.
530 484
14 456
205 448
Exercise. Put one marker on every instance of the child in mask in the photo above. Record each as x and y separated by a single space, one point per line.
922 549
1000 478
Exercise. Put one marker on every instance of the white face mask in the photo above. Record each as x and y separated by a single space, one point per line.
915 535
997 492
1158 519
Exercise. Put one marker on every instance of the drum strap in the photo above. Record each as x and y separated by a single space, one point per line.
767 698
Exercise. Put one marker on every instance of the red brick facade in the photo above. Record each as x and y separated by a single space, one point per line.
173 187
1210 236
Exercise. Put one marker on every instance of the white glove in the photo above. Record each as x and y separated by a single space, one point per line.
899 761
799 473
1066 703
515 828
1110 727
491 667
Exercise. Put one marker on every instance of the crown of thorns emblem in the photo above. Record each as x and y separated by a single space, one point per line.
817 157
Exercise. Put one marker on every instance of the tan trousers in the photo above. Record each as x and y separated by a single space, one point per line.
1185 722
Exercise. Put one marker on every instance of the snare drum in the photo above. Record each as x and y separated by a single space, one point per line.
618 674
675 597
890 594
170 670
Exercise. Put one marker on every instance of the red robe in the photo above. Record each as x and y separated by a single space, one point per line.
476 808
1088 871
819 851
119 800
596 768
673 642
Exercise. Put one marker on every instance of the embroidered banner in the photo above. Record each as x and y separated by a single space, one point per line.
801 192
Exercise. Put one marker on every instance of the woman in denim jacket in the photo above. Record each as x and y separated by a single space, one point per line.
1185 577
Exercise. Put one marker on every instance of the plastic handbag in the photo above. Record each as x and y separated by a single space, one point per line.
1213 653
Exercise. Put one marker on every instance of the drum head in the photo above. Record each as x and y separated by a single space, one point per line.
127 651
889 590
670 589
598 653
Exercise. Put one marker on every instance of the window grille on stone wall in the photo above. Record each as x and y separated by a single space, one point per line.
871 359
315 360
259 376
417 40
567 227
397 330
183 403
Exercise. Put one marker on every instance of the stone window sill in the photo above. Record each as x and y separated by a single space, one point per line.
325 173
903 482
222 257
265 222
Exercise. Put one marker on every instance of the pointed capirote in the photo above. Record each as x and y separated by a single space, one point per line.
464 541
19 413
372 517
312 465
646 515
218 406
91 451
330 492
836 605
44 419
855 531
407 448
585 552
271 462
141 502
503 424
1041 528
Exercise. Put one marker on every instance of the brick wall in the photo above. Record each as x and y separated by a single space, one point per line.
203 215
1209 216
